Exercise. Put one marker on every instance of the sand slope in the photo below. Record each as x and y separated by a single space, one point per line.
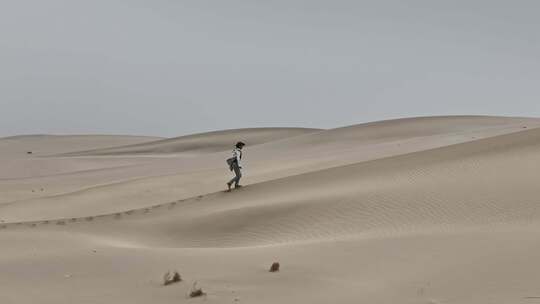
422 210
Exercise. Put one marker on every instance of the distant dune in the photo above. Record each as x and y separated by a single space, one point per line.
204 142
417 210
56 144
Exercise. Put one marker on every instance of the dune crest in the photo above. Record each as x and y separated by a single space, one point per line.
202 143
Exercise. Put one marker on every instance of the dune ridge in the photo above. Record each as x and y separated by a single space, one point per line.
199 143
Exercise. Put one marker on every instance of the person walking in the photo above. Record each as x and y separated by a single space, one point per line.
234 165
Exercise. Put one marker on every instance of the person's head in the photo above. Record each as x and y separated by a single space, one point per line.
240 145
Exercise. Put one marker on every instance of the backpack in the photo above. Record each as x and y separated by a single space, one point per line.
230 162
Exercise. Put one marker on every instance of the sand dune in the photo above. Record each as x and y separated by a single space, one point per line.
204 142
420 210
136 182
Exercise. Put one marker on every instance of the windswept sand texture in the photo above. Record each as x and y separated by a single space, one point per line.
419 210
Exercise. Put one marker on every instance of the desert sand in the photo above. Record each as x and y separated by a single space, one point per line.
418 210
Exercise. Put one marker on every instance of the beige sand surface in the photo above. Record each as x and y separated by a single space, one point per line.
419 210
40 145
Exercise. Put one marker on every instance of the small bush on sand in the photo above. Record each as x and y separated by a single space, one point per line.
196 292
169 278
274 267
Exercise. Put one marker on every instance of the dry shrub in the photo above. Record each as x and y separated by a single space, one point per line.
196 292
169 278
274 267
60 223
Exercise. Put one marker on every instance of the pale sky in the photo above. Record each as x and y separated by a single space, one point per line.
174 67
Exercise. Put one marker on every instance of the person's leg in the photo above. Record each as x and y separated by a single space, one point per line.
238 176
231 182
